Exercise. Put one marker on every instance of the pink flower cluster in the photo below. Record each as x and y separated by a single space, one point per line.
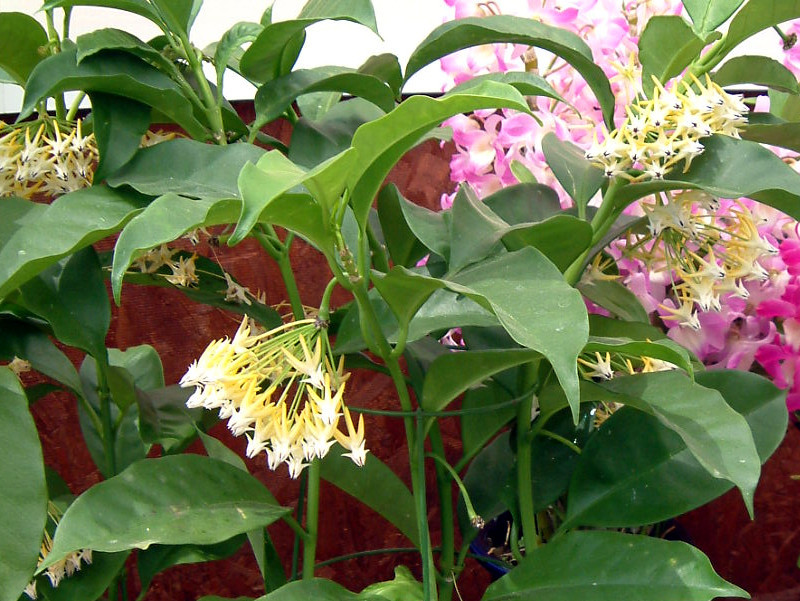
763 329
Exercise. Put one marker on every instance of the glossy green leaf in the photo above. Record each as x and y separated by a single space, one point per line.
138 7
718 437
602 566
476 31
166 219
756 16
730 168
109 38
376 486
474 230
22 44
30 343
178 14
119 124
479 428
382 142
578 176
404 248
71 296
23 504
666 31
273 52
188 168
453 373
180 499
707 15
158 558
18 212
527 83
72 222
113 72
405 291
616 298
230 44
636 471
314 106
525 203
561 238
276 95
770 129
759 70
317 589
404 587
315 141
143 364
431 228
444 310
385 67
536 307
164 418
663 349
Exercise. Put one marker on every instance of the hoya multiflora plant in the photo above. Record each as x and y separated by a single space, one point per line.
585 428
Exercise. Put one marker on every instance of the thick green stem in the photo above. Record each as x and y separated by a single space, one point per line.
312 520
524 480
301 496
76 104
417 456
443 477
212 109
285 266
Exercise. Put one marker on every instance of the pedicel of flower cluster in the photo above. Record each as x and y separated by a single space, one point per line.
660 133
47 158
63 568
282 389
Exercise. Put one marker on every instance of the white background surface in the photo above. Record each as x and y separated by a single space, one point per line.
402 24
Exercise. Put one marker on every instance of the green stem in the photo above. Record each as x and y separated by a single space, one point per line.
417 454
55 43
124 586
524 481
378 251
444 473
369 553
212 110
325 303
561 439
285 266
76 104
301 496
295 526
312 520
65 22
788 40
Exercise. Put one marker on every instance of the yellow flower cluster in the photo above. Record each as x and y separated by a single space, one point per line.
705 252
280 389
49 159
658 134
63 568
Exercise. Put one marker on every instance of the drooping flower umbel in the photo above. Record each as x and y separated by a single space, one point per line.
282 389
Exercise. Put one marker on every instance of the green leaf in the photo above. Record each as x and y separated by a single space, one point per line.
166 219
527 83
385 67
113 72
377 487
314 106
317 589
767 128
18 212
668 31
525 203
475 31
178 14
404 587
382 142
599 566
431 228
405 291
636 471
276 95
536 307
663 349
96 41
71 296
578 176
72 222
23 505
230 44
718 437
22 45
453 373
187 167
707 15
730 168
615 297
275 50
561 238
142 362
88 583
756 16
479 428
158 558
179 499
137 7
313 142
28 342
759 70
119 124
474 230
164 418
404 248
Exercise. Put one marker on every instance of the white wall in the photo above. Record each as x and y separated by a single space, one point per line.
402 23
